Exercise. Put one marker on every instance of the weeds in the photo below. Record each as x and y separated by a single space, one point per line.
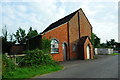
36 62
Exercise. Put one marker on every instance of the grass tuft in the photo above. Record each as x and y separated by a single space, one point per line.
27 72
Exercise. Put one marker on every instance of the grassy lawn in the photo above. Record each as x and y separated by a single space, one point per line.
115 54
28 72
0 65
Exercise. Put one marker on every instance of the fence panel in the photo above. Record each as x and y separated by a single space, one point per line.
103 51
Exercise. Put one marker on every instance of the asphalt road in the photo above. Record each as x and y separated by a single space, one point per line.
104 67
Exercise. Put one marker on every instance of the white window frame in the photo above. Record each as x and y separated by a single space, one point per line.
54 46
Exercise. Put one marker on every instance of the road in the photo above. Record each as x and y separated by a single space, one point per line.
104 67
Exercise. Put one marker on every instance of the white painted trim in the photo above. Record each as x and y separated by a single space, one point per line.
55 39
53 28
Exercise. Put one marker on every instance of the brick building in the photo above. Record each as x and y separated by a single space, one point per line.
71 37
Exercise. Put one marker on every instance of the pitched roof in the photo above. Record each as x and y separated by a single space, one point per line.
83 39
60 21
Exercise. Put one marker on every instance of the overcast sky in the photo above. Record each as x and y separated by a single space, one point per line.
119 22
103 15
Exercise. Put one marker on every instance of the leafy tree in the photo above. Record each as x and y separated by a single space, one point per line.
5 43
4 39
107 44
20 36
46 44
103 45
95 40
5 33
111 43
92 38
11 36
31 33
6 46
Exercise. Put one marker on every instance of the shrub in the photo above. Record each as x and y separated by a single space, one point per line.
36 57
46 45
7 65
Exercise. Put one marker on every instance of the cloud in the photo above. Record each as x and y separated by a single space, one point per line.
105 31
86 8
88 1
104 20
119 21
40 14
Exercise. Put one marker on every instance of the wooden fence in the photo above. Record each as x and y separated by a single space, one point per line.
15 57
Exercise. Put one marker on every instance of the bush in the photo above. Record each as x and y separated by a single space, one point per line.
46 45
35 62
36 57
7 65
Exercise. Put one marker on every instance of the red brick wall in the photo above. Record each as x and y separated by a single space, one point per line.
85 30
85 27
60 33
73 35
85 49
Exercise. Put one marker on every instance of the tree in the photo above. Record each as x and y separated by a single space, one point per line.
111 43
11 37
20 36
92 38
5 33
108 44
5 43
95 40
31 33
46 44
103 45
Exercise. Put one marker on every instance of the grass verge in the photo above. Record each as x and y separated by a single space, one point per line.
115 54
0 66
27 72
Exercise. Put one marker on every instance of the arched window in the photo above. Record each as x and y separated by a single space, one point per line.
54 46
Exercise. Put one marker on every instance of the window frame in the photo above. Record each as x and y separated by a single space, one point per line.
55 49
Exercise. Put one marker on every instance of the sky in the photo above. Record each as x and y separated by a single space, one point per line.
119 21
39 14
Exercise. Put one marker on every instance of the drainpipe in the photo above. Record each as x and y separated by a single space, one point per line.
68 40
